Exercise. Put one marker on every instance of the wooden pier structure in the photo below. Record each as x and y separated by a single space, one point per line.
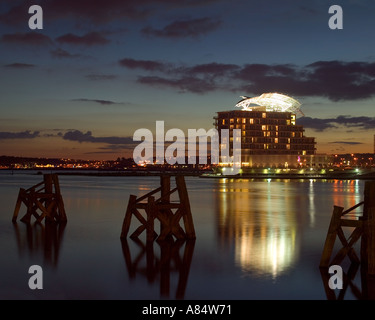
43 201
163 209
363 227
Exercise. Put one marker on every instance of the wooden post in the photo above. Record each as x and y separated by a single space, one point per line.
59 199
48 189
165 183
18 204
184 198
151 212
331 236
128 216
368 238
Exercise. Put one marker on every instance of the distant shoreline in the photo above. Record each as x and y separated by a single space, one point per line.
200 174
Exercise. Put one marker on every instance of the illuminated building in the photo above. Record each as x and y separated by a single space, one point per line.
270 136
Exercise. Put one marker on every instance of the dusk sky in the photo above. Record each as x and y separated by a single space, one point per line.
99 70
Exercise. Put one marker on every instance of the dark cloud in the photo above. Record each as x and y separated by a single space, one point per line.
95 11
102 102
79 136
18 65
147 65
210 69
184 84
63 54
30 38
184 28
98 77
89 39
316 123
323 124
19 135
335 80
346 142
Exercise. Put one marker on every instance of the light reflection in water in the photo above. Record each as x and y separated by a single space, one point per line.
263 219
262 223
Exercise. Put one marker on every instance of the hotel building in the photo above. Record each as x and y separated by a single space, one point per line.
270 135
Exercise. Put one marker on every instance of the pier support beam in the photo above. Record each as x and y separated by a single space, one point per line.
167 212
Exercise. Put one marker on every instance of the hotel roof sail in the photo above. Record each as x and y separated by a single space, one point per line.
275 102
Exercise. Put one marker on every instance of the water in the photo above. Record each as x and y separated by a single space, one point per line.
255 239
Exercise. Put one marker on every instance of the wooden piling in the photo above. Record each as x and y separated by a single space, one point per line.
43 201
168 213
368 237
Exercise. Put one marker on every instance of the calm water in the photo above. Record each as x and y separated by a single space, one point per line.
256 239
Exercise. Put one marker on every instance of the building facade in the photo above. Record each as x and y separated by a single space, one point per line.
268 138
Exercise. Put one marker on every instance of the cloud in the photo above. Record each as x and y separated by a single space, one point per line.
89 39
18 65
19 135
335 80
346 142
30 38
96 11
147 65
185 84
102 102
79 136
184 28
347 121
63 54
98 77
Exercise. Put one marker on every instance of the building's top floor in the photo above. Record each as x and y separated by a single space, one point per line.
234 117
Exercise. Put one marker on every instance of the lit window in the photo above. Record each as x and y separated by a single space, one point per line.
264 115
263 127
251 121
244 120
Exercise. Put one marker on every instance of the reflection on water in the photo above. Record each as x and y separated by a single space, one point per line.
147 263
37 238
263 223
264 219
249 233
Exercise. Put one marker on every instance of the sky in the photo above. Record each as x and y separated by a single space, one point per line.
99 70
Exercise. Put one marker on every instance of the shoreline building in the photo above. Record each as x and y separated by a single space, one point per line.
270 135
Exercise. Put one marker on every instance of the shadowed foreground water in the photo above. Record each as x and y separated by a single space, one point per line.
256 239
